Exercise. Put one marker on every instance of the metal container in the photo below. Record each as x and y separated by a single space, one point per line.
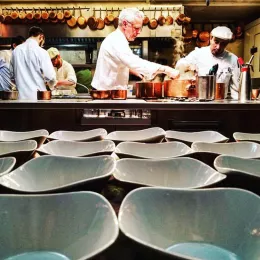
149 90
119 94
206 87
10 95
100 94
44 95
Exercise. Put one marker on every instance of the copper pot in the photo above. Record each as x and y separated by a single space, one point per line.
44 95
153 23
149 89
161 19
100 94
118 94
180 88
10 95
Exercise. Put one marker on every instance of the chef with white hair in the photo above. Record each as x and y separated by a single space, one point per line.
206 57
116 59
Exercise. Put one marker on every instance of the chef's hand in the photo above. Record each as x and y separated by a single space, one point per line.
170 72
133 72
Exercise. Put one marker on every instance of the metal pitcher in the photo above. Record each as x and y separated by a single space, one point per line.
206 87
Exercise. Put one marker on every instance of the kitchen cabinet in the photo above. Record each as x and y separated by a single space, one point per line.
252 38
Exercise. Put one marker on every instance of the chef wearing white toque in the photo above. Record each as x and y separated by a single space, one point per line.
206 57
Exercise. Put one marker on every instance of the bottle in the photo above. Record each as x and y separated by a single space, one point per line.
245 84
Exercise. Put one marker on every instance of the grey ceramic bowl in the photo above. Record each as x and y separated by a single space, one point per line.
152 151
77 225
38 135
79 136
82 149
238 136
213 224
149 135
55 173
6 165
191 137
173 173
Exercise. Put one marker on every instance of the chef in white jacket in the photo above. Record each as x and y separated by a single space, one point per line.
206 57
31 66
116 59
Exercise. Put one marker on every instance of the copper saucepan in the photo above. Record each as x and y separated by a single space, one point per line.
100 94
149 89
119 94
44 95
9 95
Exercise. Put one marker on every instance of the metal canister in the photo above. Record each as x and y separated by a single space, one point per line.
206 87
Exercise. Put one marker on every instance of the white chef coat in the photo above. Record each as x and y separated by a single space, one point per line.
65 72
5 82
115 58
31 67
204 60
6 56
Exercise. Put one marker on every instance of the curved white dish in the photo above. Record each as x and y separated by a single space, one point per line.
83 136
238 136
243 149
152 151
159 218
78 225
173 173
149 135
230 165
52 173
70 148
38 135
190 137
6 165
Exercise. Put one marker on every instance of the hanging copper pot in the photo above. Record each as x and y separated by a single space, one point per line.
67 14
161 19
55 20
72 22
168 19
180 19
14 14
106 21
146 19
92 21
29 15
52 14
22 15
111 16
101 23
8 17
60 15
2 16
81 21
153 23
45 15
38 15
116 20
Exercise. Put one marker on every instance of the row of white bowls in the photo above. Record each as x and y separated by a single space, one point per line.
150 135
47 174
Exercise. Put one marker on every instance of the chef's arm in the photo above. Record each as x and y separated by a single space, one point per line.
70 80
65 82
48 71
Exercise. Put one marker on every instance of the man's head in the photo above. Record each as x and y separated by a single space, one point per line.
17 41
219 39
131 22
38 34
55 57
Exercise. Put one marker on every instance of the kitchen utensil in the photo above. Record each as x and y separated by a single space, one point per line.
72 22
10 95
116 20
101 23
81 21
179 88
220 91
106 21
29 15
55 20
168 19
60 15
52 14
206 87
14 14
45 15
195 33
149 90
2 16
180 18
161 19
44 95
111 16
67 14
8 17
119 94
100 94
146 19
92 21
153 23
37 15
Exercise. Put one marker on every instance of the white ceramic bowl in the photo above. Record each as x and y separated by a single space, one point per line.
77 225
152 151
207 224
84 149
190 137
234 165
38 135
246 137
149 135
173 173
243 149
6 165
80 136
54 173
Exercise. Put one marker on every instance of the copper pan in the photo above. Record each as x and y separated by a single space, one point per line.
116 20
106 21
10 95
67 14
44 95
14 14
92 21
60 15
38 15
52 14
8 17
146 19
72 22
161 19
101 23
153 23
100 94
149 90
2 16
81 21
45 15
111 16
119 94
169 19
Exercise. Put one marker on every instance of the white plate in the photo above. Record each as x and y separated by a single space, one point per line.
83 136
38 135
243 149
70 148
149 135
159 218
173 173
6 165
235 165
190 137
152 151
246 137
51 173
78 225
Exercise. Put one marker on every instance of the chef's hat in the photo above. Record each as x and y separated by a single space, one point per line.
53 52
222 32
